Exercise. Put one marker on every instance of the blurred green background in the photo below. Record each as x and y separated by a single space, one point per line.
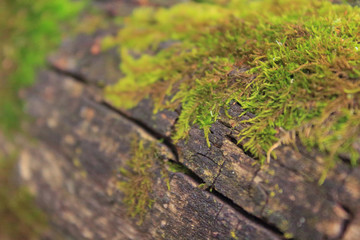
29 30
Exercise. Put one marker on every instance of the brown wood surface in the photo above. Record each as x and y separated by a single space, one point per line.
82 141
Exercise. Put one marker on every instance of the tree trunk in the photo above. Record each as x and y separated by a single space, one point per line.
220 192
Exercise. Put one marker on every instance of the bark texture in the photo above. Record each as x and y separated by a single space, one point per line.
83 141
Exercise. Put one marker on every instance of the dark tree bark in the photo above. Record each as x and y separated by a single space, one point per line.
83 140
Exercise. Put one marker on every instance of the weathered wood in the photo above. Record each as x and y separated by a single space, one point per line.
96 69
272 192
84 141
74 175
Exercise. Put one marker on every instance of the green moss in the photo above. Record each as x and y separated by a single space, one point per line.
139 174
176 167
28 31
301 77
288 235
19 216
233 235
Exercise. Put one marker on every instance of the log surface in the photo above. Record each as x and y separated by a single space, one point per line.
83 141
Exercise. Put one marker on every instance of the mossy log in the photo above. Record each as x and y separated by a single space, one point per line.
218 192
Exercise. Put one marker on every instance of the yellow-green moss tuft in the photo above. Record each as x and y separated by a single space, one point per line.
295 64
139 174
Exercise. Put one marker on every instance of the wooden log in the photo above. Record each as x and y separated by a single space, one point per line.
73 172
83 142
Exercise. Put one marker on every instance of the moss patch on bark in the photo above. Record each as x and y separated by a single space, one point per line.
139 179
294 64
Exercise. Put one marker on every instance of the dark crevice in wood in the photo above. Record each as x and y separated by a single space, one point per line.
230 203
255 175
233 140
76 76
168 142
188 172
346 223
173 126
330 198
263 207
164 139
219 172
224 123
203 155
248 215
217 214
345 159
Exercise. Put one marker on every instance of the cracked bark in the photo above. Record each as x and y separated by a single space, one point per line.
74 124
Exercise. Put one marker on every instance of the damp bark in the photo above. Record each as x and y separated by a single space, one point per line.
221 193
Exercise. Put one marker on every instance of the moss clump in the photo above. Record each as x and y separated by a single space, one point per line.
138 185
295 64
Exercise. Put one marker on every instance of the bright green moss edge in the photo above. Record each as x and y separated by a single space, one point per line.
302 62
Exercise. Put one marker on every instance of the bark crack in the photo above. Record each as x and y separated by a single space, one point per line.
203 155
218 174
168 143
76 76
346 222
165 140
249 216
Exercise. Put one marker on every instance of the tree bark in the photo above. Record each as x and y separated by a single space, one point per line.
83 141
